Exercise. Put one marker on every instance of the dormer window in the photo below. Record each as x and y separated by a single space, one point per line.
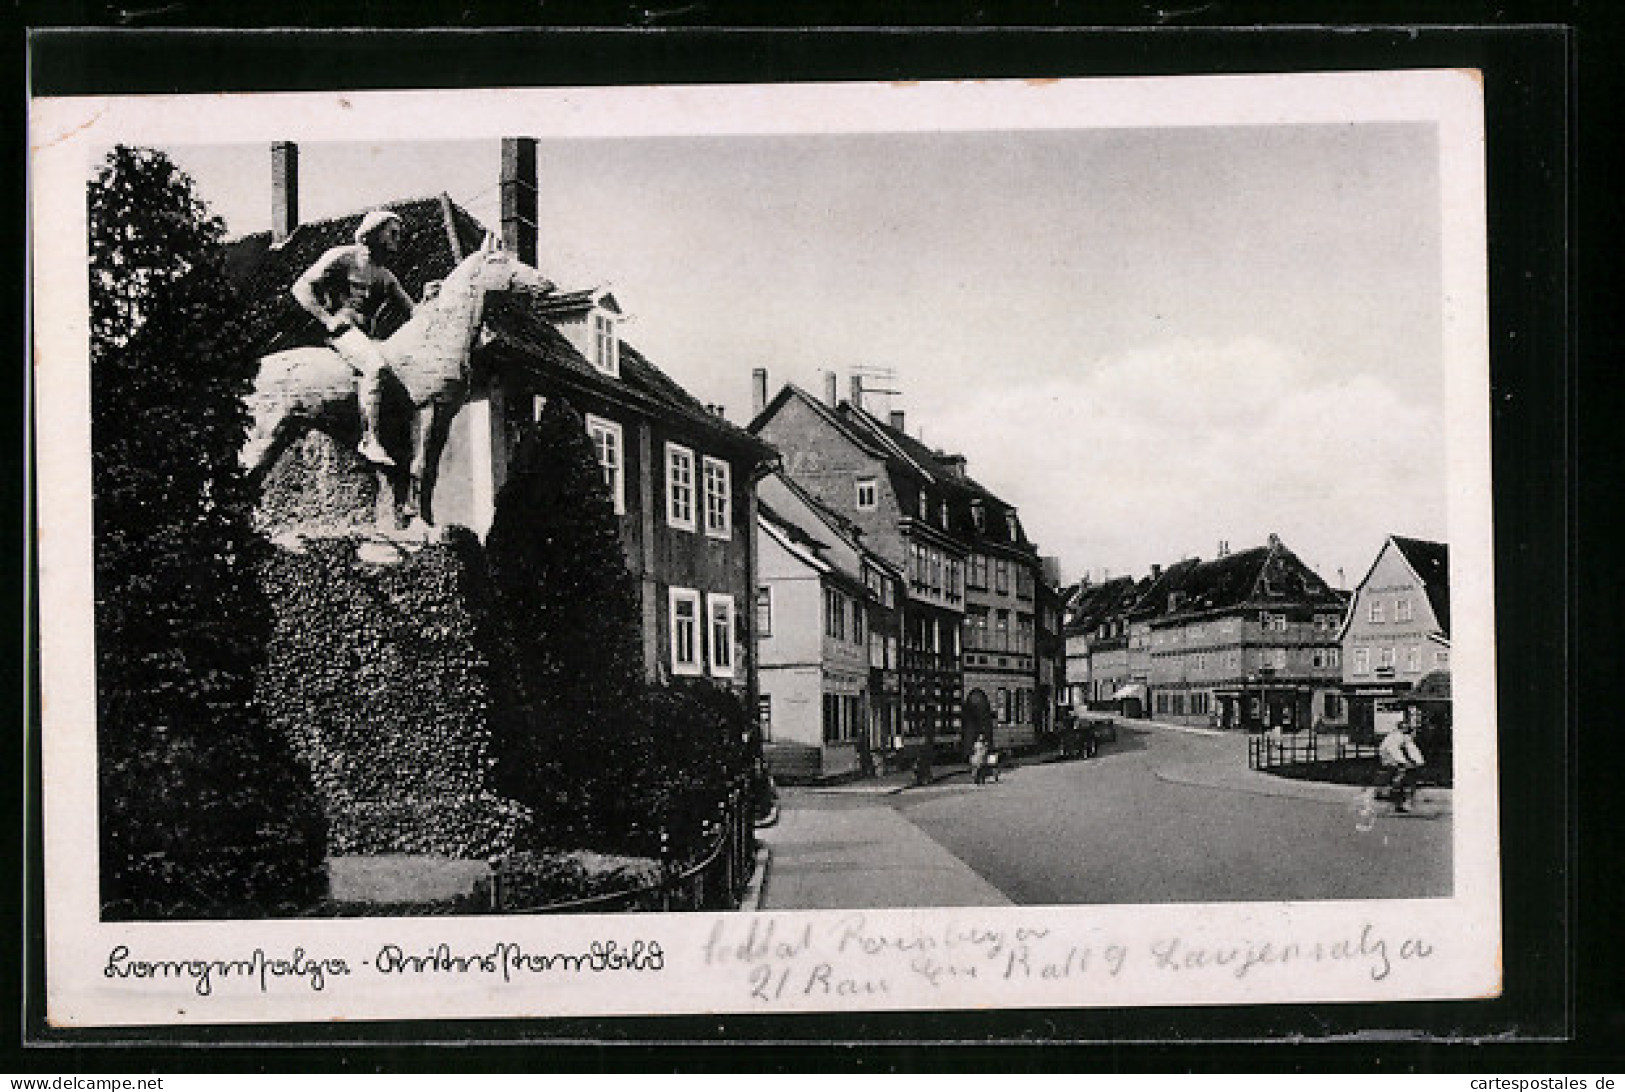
978 515
606 356
943 512
925 506
1012 526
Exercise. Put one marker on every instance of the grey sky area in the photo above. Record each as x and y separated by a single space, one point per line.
1148 339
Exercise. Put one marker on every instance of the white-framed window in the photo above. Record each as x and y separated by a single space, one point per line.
942 515
606 355
1374 612
685 631
1012 526
1362 661
679 487
1413 659
1333 656
719 612
868 494
764 611
718 499
1385 657
1403 611
609 446
1441 658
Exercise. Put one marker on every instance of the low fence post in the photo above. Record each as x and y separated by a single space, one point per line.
665 868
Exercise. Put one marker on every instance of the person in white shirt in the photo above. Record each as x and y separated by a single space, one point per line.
1400 755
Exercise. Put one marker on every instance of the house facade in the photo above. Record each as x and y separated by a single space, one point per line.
1396 632
680 476
1247 639
899 506
828 639
1096 639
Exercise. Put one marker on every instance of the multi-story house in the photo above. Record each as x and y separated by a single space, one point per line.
680 476
1247 639
1096 635
836 453
1003 673
828 638
1396 632
1051 692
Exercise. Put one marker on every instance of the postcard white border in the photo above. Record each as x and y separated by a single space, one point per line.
1461 935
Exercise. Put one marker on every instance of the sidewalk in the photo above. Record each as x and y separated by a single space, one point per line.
853 858
1232 772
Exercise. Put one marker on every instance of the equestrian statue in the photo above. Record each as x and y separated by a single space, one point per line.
343 383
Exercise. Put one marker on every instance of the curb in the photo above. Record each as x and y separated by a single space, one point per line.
751 901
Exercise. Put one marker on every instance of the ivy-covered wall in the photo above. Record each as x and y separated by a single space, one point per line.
387 678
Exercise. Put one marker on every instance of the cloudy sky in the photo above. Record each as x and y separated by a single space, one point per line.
1147 339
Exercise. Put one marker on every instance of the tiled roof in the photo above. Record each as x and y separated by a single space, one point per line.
1095 603
1262 575
960 489
437 234
1431 560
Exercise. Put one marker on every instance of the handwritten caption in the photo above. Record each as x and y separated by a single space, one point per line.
841 957
504 960
853 956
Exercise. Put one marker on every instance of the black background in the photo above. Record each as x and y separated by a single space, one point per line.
1561 1010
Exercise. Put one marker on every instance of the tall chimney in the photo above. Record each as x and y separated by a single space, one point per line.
758 391
897 420
857 390
284 190
831 390
519 197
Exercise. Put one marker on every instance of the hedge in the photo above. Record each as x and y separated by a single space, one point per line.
385 678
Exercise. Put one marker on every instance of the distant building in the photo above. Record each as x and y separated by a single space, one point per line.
1244 640
1096 634
1396 632
828 638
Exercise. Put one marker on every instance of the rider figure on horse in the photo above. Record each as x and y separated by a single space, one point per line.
345 290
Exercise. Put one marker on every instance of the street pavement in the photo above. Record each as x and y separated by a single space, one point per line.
1163 815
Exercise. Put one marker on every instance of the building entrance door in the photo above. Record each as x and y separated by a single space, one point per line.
978 720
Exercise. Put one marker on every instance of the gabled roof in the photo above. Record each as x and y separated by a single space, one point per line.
585 299
1261 576
960 489
1096 603
790 392
437 235
1431 562
795 539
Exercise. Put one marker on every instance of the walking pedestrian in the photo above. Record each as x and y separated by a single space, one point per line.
978 760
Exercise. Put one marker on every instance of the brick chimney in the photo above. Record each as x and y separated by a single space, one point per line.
856 382
897 420
831 390
284 190
519 197
758 391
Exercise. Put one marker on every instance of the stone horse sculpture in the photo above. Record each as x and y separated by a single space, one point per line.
312 387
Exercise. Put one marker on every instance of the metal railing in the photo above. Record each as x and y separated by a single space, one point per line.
716 880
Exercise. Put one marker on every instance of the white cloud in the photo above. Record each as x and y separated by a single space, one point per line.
1163 451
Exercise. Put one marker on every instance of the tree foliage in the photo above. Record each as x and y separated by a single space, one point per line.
204 810
572 616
